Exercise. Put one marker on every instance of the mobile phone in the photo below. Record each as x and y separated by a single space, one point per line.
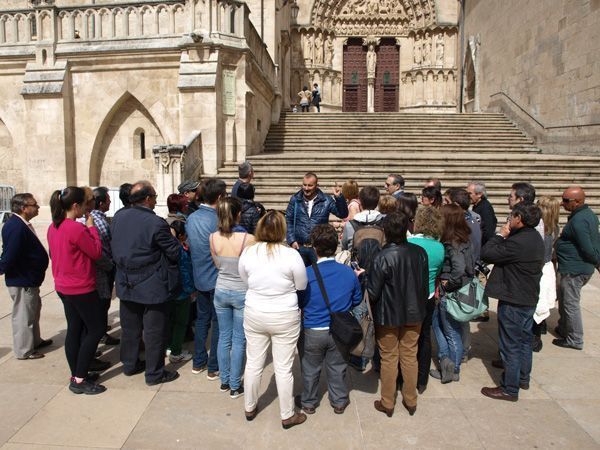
354 265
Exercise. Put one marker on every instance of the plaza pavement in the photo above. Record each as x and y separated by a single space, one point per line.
37 411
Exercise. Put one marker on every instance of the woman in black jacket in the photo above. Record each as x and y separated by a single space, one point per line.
398 287
458 270
251 211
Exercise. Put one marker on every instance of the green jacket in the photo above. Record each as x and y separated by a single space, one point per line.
578 247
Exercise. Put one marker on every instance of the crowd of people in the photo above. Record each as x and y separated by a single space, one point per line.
241 280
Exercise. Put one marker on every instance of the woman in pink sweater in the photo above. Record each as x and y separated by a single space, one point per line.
74 248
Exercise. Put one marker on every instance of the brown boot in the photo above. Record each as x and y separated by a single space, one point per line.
296 419
379 407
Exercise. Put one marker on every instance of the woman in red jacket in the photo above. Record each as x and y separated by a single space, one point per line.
74 248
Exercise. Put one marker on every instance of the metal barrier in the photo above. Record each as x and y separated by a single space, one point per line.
6 193
115 201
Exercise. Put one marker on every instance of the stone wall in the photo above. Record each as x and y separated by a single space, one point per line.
538 61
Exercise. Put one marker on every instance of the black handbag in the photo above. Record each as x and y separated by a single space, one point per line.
344 328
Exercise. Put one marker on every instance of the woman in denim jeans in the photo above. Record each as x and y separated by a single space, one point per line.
226 246
458 270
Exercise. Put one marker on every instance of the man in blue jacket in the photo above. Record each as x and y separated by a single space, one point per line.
199 226
24 262
578 253
310 207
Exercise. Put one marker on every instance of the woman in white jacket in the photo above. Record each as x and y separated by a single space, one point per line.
274 272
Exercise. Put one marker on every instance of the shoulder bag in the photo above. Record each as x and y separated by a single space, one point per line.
467 302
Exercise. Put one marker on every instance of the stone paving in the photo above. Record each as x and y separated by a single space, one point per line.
37 411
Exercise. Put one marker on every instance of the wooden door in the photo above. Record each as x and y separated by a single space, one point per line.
387 76
355 76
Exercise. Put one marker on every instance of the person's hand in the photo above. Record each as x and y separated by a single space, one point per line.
444 283
505 230
335 190
89 221
295 245
358 272
193 295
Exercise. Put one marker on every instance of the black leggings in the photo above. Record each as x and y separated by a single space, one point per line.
86 324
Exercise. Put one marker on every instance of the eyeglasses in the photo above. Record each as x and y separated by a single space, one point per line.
567 200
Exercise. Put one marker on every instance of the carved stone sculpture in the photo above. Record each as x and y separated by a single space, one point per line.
329 51
418 51
427 49
319 49
439 50
308 48
371 62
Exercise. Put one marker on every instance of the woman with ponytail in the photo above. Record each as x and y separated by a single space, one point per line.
74 248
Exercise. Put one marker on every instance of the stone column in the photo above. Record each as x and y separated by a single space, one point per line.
371 94
168 165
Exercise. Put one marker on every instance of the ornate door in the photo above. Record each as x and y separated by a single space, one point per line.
355 76
387 76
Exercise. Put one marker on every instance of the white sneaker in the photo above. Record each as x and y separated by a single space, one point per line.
182 357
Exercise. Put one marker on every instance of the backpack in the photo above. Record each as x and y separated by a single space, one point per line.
367 242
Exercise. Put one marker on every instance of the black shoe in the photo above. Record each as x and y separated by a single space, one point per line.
107 339
140 366
537 344
421 388
523 385
44 343
563 343
481 318
98 365
224 387
85 387
166 377
235 393
558 332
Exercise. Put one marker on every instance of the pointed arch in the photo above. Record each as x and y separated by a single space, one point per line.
115 118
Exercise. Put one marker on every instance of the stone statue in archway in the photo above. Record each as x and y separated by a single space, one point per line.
439 50
418 51
371 61
427 49
319 49
329 51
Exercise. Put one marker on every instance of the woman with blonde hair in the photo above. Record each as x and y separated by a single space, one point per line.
387 204
550 208
274 272
226 246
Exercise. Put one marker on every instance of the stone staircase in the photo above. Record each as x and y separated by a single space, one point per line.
455 148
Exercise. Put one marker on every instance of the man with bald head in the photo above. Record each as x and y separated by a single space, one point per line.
146 255
578 253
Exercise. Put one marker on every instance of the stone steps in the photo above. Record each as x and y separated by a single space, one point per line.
456 148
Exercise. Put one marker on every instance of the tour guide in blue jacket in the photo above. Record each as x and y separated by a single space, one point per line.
310 207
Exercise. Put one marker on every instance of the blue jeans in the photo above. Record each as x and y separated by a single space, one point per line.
229 306
206 319
515 334
448 334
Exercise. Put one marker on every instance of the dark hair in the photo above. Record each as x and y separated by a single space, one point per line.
434 195
436 183
311 174
524 191
19 201
124 191
142 193
62 201
177 203
456 229
407 203
213 189
100 196
244 169
395 225
530 214
179 227
398 179
460 196
245 191
228 209
369 197
324 240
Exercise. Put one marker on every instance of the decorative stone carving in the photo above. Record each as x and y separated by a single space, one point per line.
308 48
418 51
427 49
439 50
329 51
318 59
372 17
371 61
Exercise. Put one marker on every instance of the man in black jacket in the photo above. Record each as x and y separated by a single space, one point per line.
517 253
483 207
146 255
398 287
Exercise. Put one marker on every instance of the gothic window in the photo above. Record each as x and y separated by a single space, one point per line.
139 144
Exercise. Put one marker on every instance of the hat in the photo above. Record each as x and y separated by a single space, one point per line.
188 186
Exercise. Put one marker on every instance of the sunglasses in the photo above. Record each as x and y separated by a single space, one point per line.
567 200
